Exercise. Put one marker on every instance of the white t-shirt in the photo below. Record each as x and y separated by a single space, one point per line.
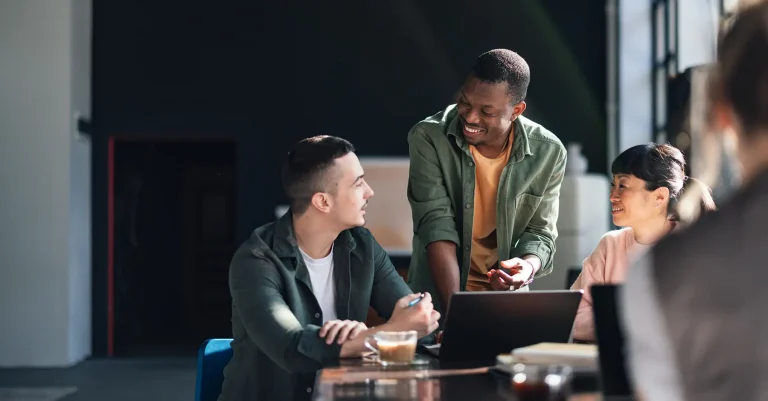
321 276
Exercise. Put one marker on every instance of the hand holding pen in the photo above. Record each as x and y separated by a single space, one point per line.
414 312
417 300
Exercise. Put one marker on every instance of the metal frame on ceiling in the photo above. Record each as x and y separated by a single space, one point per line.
664 47
613 62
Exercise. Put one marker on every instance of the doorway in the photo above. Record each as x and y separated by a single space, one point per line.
174 236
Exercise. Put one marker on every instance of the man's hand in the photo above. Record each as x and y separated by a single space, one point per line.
421 317
341 330
521 271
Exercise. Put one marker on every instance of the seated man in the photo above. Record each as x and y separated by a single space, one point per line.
301 286
484 186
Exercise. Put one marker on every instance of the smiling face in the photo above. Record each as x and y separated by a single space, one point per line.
632 204
486 112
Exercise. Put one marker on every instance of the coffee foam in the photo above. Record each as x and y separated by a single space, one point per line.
390 343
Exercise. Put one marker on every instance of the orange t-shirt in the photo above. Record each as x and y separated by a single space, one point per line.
484 252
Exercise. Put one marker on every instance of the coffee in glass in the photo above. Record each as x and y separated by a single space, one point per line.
393 347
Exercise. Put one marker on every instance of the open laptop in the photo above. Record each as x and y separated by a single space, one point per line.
481 325
610 341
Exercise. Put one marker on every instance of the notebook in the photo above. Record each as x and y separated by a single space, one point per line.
577 355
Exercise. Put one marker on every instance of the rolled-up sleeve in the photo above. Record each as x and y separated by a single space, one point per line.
255 287
432 212
539 236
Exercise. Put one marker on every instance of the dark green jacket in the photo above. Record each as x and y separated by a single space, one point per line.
276 318
441 191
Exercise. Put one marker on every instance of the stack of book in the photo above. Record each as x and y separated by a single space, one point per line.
578 356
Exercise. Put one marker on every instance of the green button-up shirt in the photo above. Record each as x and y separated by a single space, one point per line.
441 191
276 318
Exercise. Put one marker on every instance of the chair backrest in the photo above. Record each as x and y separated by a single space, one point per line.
573 274
212 357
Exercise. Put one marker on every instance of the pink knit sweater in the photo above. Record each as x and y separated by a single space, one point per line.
607 264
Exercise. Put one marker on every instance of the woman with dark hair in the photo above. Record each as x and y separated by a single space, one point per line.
648 181
695 305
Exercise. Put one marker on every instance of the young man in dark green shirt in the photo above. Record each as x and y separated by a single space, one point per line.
484 187
301 286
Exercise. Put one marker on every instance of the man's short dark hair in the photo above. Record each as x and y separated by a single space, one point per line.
502 65
305 170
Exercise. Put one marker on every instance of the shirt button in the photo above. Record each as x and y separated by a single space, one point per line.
317 316
309 389
468 205
471 164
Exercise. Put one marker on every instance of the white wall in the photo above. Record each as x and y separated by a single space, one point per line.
697 22
80 186
697 29
634 74
45 243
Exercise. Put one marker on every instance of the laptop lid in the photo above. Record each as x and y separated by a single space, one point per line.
610 341
481 325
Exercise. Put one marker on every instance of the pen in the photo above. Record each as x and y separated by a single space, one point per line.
415 301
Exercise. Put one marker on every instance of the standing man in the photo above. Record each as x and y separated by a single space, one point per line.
301 286
484 187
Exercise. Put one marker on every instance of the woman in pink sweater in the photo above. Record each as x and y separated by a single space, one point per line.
648 180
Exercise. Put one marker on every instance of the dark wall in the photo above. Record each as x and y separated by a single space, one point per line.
268 73
275 72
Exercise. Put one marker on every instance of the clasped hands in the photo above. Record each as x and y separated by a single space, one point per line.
422 318
520 273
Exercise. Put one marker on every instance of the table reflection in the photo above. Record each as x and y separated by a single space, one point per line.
475 386
360 380
385 389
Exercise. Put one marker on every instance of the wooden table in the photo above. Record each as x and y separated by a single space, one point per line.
357 380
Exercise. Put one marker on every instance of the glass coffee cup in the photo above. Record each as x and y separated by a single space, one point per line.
393 347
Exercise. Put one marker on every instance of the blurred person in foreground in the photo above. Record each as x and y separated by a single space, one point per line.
484 186
695 306
301 286
648 181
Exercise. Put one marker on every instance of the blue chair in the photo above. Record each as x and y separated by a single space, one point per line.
212 357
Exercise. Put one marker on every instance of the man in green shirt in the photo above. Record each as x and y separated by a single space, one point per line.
484 187
301 286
